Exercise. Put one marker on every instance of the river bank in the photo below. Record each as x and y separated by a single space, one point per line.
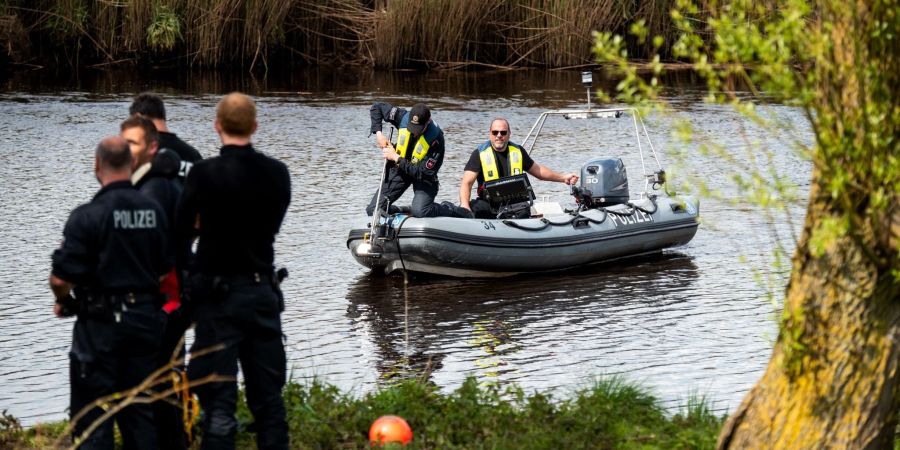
265 35
610 413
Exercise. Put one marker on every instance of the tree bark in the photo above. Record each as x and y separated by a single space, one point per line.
832 380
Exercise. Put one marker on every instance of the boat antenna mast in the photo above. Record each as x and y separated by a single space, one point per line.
587 80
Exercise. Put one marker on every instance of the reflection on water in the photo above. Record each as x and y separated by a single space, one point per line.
496 323
691 321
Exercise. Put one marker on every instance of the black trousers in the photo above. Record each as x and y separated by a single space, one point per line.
108 357
423 204
168 417
247 320
481 208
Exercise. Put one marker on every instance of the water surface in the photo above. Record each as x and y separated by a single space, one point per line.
691 321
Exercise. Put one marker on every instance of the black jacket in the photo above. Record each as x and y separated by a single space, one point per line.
427 169
241 198
188 154
114 244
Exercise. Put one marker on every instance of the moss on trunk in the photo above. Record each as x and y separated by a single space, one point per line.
833 373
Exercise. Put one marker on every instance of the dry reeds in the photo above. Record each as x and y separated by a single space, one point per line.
435 31
384 33
330 31
508 33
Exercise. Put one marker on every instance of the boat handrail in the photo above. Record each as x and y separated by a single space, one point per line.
603 113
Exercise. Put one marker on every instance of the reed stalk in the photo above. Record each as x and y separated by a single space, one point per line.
148 391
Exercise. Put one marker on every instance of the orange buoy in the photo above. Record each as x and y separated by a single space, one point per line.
387 429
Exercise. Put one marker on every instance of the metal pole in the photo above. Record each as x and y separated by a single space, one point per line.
376 215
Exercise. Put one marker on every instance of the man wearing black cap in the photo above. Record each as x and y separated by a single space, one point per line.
415 161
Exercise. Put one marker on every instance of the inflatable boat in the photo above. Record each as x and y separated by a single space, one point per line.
603 225
502 247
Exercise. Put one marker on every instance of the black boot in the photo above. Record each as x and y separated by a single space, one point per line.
458 211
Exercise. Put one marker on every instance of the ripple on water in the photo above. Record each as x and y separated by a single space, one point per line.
694 320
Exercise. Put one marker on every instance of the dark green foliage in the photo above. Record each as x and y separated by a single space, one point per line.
609 414
10 430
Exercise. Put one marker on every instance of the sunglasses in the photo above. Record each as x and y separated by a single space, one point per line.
499 132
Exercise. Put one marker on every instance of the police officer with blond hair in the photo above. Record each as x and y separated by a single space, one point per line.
113 254
235 204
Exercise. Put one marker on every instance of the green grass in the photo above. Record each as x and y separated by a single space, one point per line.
609 414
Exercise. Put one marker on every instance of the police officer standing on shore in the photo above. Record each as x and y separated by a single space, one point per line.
150 106
155 173
112 256
236 202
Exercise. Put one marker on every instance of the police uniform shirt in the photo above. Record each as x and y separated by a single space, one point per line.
474 164
188 154
116 243
241 198
157 180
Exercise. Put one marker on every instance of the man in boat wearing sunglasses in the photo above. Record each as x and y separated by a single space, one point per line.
414 161
496 159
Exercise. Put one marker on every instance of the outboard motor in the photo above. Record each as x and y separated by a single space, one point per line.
603 183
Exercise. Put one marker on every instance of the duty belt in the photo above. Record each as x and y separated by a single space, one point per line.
109 306
250 279
275 278
131 298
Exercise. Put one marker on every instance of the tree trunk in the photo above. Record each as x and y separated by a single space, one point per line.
832 381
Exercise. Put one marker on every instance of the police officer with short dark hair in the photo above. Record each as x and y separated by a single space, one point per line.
151 106
236 203
155 172
112 256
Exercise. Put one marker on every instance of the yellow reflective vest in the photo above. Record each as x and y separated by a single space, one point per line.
489 161
419 151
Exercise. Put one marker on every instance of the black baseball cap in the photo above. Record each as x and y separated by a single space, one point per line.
419 116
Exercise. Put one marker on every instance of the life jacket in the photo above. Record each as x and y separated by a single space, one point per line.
422 145
489 161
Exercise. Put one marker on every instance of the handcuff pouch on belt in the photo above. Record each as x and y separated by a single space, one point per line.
88 304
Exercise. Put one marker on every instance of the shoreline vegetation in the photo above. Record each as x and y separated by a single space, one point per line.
274 34
610 413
